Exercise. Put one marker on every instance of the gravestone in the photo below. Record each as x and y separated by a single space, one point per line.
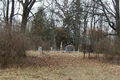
61 47
68 48
51 48
39 48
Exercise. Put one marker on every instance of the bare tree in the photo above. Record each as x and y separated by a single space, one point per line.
8 17
12 12
7 10
109 13
27 5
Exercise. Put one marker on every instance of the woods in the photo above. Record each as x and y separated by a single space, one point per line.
84 24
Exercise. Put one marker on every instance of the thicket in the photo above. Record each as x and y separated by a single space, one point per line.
109 47
12 46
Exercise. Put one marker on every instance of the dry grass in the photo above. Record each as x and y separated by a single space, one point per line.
60 66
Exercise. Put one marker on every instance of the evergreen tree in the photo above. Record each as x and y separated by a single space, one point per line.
74 21
41 25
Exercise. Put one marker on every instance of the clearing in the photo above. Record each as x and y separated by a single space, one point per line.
60 66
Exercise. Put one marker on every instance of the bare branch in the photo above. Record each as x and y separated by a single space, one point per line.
32 3
104 9
21 1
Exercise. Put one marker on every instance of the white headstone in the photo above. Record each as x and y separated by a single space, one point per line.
61 46
51 48
39 48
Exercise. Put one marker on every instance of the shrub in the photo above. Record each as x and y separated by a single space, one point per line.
109 47
12 46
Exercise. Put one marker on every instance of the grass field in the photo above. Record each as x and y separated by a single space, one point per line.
60 66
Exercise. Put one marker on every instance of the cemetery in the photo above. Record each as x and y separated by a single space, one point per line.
60 66
60 40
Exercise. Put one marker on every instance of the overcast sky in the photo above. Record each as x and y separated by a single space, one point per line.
37 5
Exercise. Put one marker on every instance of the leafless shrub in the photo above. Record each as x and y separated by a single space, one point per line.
110 47
12 46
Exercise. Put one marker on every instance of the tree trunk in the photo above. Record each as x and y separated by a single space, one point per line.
76 46
24 20
12 13
84 55
84 51
27 5
7 13
90 47
76 37
117 17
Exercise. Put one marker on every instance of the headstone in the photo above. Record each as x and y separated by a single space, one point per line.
61 47
51 48
39 48
68 48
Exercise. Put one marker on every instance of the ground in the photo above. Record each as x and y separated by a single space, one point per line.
60 66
